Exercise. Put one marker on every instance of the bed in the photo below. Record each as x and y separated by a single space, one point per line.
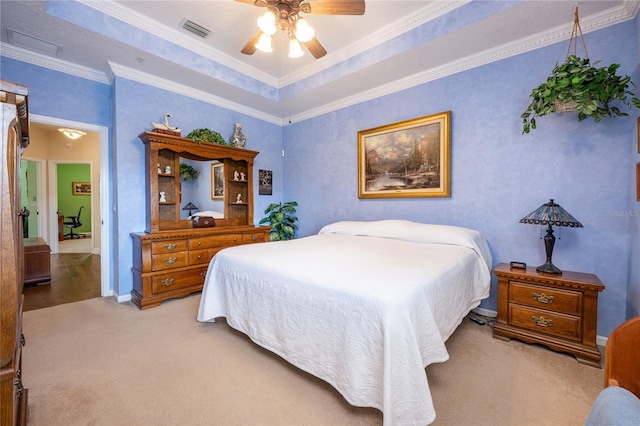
365 306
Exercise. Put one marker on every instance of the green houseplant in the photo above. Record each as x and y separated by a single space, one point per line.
188 173
207 135
282 219
577 85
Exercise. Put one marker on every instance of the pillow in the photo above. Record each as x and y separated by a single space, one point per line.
210 213
416 232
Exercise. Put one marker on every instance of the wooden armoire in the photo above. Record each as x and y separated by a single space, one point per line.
15 137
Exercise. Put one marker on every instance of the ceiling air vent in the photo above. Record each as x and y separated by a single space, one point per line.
198 30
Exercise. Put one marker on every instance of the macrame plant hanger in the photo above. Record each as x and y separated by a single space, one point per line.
573 41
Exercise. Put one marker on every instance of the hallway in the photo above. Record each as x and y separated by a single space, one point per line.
75 276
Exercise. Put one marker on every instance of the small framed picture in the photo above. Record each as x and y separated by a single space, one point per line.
637 181
81 188
217 181
265 178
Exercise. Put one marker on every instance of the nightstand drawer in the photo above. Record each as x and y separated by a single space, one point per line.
177 280
563 301
541 321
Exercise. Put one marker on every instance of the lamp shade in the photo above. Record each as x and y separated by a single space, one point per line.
190 206
551 214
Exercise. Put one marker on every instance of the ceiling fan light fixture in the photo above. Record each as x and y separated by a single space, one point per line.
267 23
264 44
304 32
295 50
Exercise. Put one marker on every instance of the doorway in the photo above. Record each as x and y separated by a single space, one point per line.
100 196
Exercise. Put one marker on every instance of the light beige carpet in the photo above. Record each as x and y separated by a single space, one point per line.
97 362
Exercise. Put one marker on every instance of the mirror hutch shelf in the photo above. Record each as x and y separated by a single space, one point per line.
171 257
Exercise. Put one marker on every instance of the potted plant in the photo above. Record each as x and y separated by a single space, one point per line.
282 220
188 173
207 135
577 85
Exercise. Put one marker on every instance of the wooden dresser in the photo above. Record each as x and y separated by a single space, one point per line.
15 137
171 257
558 311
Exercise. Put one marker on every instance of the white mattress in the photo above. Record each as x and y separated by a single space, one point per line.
365 306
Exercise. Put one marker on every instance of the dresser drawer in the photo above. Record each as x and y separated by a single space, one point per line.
160 262
541 321
258 237
215 241
171 246
173 281
563 301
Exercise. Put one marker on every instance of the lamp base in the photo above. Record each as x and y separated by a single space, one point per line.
549 268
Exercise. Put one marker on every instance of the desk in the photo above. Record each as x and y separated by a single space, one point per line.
37 261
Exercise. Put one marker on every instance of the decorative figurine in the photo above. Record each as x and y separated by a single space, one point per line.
235 175
162 197
238 199
167 170
159 169
243 176
237 138
166 125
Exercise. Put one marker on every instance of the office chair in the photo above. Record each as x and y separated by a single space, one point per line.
73 224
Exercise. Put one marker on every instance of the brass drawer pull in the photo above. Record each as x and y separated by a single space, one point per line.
170 260
203 274
254 237
167 282
540 321
543 298
170 246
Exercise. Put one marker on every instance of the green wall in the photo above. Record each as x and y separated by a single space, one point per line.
68 203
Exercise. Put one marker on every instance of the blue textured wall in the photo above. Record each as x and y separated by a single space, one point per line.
498 174
136 106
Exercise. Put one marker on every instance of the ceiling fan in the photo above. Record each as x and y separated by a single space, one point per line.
285 14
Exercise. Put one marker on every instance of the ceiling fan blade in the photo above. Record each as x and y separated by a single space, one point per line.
315 48
251 2
337 7
250 47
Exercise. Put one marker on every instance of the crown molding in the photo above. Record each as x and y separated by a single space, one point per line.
51 63
386 33
625 12
135 19
122 71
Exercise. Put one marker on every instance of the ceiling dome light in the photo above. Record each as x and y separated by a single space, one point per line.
295 51
304 32
264 44
267 23
72 133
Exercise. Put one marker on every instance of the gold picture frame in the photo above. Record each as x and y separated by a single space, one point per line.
408 159
81 188
217 181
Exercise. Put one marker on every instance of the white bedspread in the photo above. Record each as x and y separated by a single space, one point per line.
365 306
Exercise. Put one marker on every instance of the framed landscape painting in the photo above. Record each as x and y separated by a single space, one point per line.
81 188
217 181
406 159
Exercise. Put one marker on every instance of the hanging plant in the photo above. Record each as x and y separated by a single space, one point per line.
207 135
577 85
188 173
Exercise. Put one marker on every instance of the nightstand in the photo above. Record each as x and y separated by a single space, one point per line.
559 311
